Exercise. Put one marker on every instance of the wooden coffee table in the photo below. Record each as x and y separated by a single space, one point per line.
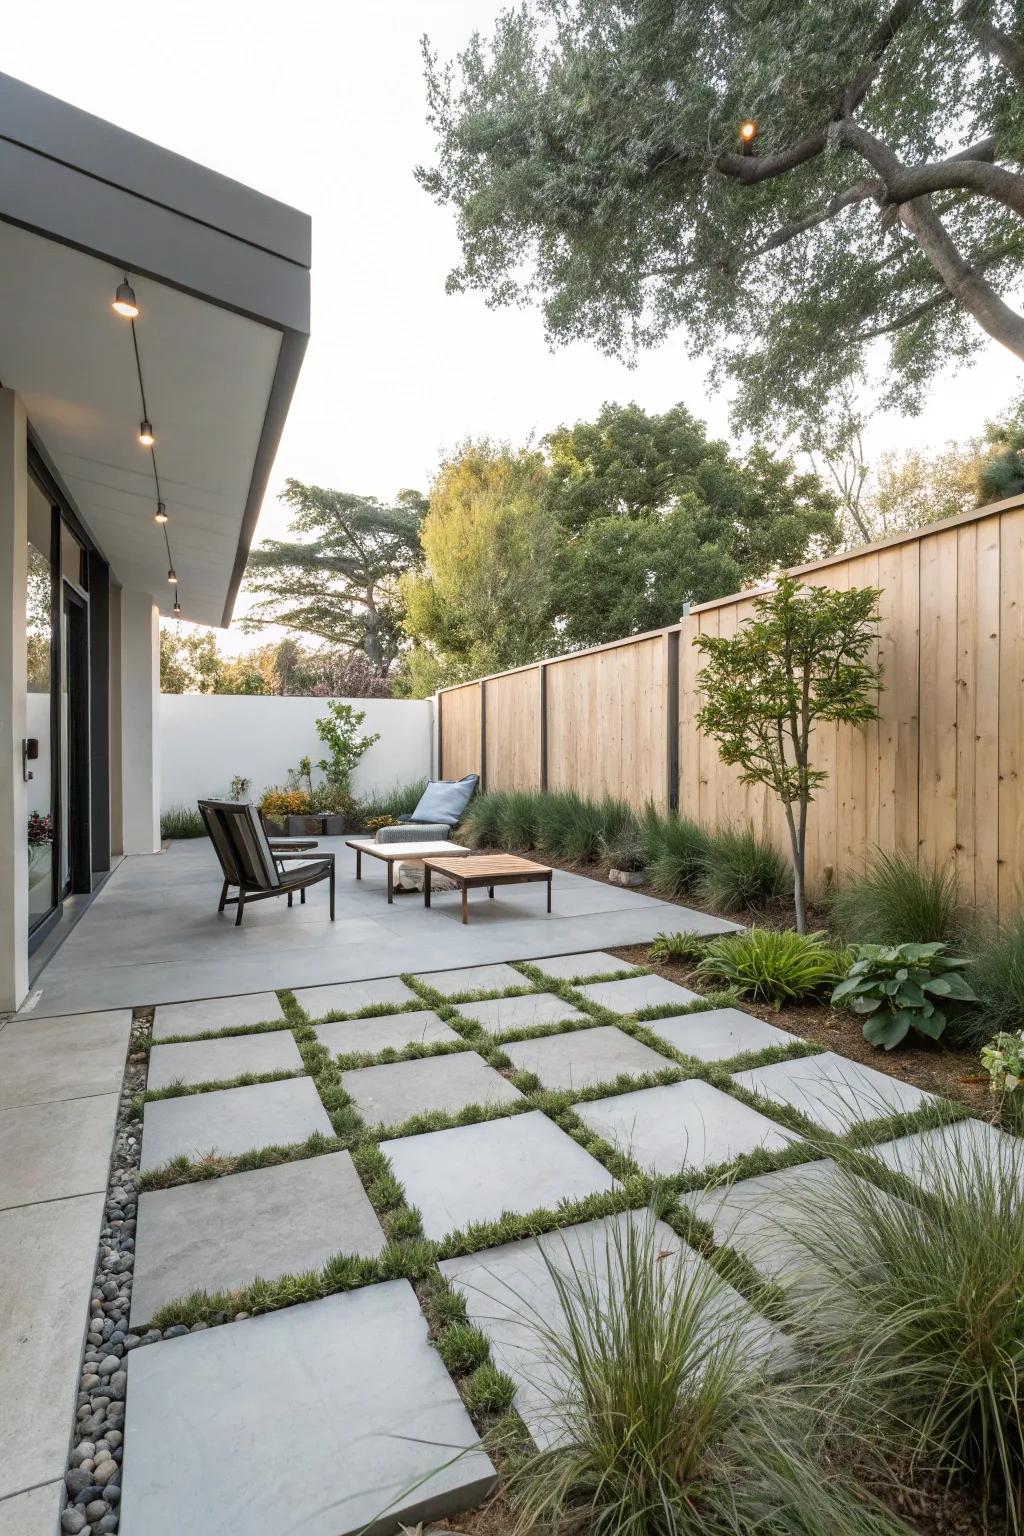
399 853
479 870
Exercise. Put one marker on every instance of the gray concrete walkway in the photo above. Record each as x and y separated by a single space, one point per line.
153 935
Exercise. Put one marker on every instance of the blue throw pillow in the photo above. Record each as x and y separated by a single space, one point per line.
445 800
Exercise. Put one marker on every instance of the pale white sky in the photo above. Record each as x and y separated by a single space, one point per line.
322 105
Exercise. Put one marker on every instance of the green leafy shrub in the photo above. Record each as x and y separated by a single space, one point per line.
279 803
678 849
330 799
773 966
743 872
375 823
339 731
181 821
627 849
898 901
681 947
900 988
997 976
1003 1060
912 1314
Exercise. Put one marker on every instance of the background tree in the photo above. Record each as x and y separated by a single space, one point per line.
190 661
802 658
655 514
482 603
337 577
591 151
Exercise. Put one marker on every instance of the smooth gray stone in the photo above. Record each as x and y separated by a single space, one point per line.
47 1258
391 1093
218 1061
474 978
633 993
715 1034
512 1296
212 1013
42 1060
592 962
762 1218
684 1125
957 1157
498 1014
476 1172
220 1234
351 996
34 1513
231 1121
392 1031
50 1151
318 1418
584 1057
835 1093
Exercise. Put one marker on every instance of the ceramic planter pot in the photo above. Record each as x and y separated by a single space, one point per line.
305 826
334 826
273 826
627 876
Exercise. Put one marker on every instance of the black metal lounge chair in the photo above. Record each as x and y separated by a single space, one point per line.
248 861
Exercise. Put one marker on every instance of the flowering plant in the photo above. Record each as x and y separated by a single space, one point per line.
40 829
1003 1060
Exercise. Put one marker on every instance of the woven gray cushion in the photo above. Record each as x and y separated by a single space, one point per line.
414 832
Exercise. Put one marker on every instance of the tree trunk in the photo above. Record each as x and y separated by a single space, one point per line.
798 840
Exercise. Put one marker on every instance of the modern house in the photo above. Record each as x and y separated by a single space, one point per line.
153 320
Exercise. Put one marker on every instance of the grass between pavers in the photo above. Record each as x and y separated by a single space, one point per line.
179 1090
409 1255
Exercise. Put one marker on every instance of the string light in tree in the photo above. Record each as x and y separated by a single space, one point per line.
747 133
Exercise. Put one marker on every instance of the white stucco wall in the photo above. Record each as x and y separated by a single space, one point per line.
205 739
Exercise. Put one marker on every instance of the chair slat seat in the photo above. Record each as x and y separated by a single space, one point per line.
248 861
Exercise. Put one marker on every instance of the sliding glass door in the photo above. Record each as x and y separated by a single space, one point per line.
43 675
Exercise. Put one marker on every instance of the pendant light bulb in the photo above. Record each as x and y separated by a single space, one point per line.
171 577
176 609
146 434
125 302
160 515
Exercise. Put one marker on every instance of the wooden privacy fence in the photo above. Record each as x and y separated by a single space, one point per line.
940 773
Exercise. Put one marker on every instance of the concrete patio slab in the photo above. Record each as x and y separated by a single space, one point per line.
637 992
218 1061
585 1057
220 1234
319 1418
716 1034
476 1172
498 1014
47 1259
957 1153
761 1217
684 1125
474 978
592 962
231 1121
833 1092
511 1295
32 1514
392 1031
351 996
391 1093
42 1060
52 1151
213 1013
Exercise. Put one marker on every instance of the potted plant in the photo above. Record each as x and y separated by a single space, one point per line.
285 810
339 731
627 858
336 808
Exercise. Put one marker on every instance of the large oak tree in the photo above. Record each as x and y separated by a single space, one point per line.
591 151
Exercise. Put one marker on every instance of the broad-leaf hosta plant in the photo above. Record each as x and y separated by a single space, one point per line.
903 987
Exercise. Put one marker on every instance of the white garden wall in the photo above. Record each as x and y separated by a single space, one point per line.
205 739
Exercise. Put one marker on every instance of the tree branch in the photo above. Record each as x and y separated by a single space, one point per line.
1008 50
943 297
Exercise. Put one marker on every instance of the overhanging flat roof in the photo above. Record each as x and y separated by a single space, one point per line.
222 275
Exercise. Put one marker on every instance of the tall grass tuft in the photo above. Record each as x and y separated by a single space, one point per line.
997 976
773 966
915 1317
898 901
181 821
517 819
678 850
480 826
743 872
659 1422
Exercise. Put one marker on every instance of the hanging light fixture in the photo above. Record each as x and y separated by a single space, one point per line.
176 610
147 436
171 577
160 515
748 131
125 302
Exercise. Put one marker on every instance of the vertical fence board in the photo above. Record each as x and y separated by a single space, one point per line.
1011 708
988 691
460 722
513 730
938 690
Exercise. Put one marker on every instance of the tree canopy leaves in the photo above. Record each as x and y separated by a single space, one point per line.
590 150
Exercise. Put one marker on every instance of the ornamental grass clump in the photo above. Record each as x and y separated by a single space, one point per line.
912 1314
898 901
678 850
997 976
773 965
743 872
658 1417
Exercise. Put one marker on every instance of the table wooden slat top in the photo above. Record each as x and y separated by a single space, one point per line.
478 866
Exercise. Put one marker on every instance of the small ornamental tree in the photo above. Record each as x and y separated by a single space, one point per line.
339 732
804 657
